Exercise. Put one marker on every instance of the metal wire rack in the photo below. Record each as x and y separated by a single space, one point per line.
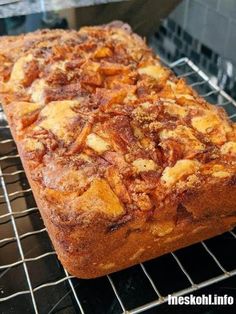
33 281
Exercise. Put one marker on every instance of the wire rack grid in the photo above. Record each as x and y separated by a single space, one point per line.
31 278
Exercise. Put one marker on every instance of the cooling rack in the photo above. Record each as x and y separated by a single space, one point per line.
32 279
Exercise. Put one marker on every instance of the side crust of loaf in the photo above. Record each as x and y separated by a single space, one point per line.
126 162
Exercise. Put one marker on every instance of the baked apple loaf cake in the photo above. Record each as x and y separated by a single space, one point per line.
125 160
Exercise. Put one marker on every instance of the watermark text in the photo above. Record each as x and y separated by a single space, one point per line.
201 300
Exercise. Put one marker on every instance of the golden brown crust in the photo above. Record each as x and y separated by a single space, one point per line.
125 160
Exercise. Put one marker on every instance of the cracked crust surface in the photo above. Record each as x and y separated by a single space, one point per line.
119 151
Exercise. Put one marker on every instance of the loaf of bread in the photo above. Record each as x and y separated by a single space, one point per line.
125 160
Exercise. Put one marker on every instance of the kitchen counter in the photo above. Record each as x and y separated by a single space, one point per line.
24 7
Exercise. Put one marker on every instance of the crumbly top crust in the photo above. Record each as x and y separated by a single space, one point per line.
104 126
